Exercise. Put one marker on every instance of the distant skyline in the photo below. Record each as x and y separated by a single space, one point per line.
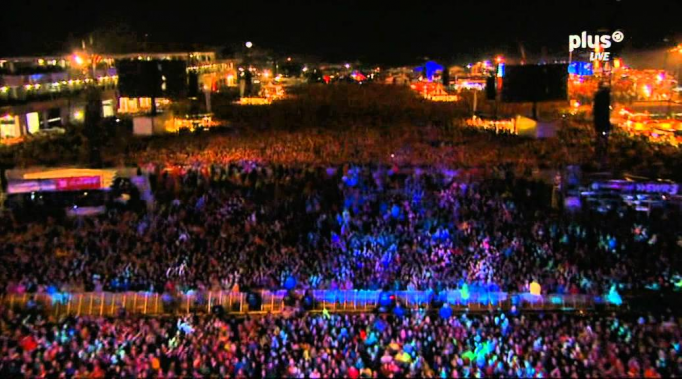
384 33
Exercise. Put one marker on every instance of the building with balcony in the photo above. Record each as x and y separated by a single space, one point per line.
39 93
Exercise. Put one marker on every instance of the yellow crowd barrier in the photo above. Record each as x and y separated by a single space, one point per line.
146 303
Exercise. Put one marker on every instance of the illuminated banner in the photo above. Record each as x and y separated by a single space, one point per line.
23 187
670 188
77 183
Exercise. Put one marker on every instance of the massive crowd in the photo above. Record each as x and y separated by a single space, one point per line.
347 227
285 210
425 146
337 345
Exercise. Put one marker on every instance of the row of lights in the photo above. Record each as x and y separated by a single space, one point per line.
204 66
149 58
5 89
52 62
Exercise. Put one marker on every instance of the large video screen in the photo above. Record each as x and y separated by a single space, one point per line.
531 83
156 78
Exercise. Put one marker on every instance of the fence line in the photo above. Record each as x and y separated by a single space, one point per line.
146 303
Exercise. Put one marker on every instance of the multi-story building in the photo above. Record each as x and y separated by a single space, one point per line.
38 93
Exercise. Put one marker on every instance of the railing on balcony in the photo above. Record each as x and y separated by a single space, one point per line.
53 90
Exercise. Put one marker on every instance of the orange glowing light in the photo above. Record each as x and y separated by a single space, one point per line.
647 90
78 59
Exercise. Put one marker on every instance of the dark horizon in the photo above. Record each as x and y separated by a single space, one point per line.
373 33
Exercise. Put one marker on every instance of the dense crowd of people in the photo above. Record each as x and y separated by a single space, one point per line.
426 146
289 211
420 208
342 345
339 227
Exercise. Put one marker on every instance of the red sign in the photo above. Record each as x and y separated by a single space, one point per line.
78 183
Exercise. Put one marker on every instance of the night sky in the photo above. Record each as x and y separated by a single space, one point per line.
387 32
